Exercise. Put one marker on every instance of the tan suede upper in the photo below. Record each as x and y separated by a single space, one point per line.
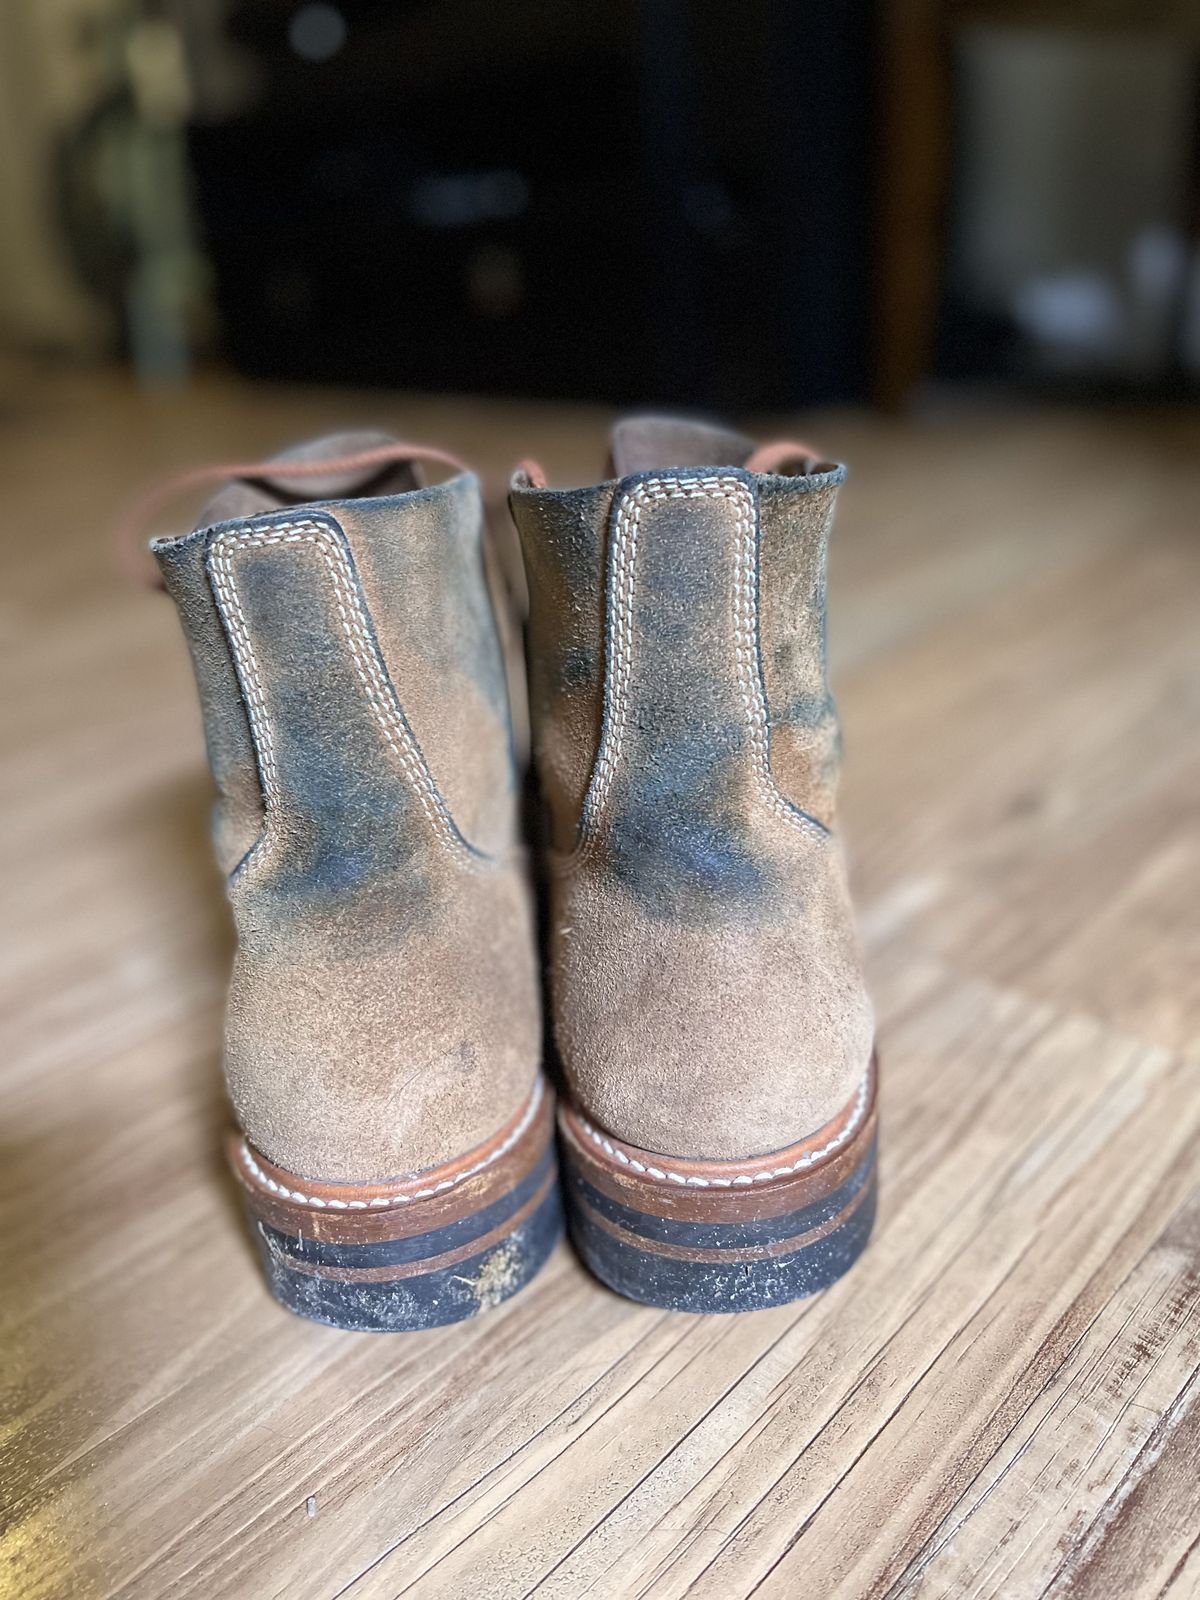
384 1010
706 981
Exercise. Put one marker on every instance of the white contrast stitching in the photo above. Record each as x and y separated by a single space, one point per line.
367 666
230 607
385 1201
745 625
620 663
741 1179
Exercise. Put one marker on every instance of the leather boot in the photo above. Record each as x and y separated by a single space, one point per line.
710 1016
382 1046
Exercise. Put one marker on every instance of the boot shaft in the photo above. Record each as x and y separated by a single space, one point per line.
705 978
350 679
383 1011
678 676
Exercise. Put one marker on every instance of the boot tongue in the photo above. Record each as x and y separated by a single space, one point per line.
272 485
657 444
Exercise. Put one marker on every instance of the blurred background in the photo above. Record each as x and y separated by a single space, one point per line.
955 244
767 207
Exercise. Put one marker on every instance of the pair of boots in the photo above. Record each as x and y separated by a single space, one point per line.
712 1035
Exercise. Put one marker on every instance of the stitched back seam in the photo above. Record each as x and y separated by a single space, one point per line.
619 666
368 667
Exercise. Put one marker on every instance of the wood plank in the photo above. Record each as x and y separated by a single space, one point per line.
1001 1399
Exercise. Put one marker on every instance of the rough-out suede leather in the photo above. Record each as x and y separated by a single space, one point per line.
384 1011
706 983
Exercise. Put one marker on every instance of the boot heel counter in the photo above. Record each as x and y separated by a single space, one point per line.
357 900
703 939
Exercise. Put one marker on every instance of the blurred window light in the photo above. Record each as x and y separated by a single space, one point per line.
1075 311
317 32
1072 198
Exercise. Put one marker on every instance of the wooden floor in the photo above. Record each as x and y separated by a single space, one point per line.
1001 1400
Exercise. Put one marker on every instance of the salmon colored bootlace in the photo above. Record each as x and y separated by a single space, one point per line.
770 457
137 516
530 474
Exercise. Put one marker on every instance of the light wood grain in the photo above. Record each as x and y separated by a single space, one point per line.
1001 1400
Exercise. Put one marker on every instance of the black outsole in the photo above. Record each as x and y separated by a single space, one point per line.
298 1270
736 1271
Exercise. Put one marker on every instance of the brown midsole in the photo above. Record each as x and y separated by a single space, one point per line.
436 1263
412 1206
716 1199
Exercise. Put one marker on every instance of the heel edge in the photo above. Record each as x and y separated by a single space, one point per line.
713 1238
420 1253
